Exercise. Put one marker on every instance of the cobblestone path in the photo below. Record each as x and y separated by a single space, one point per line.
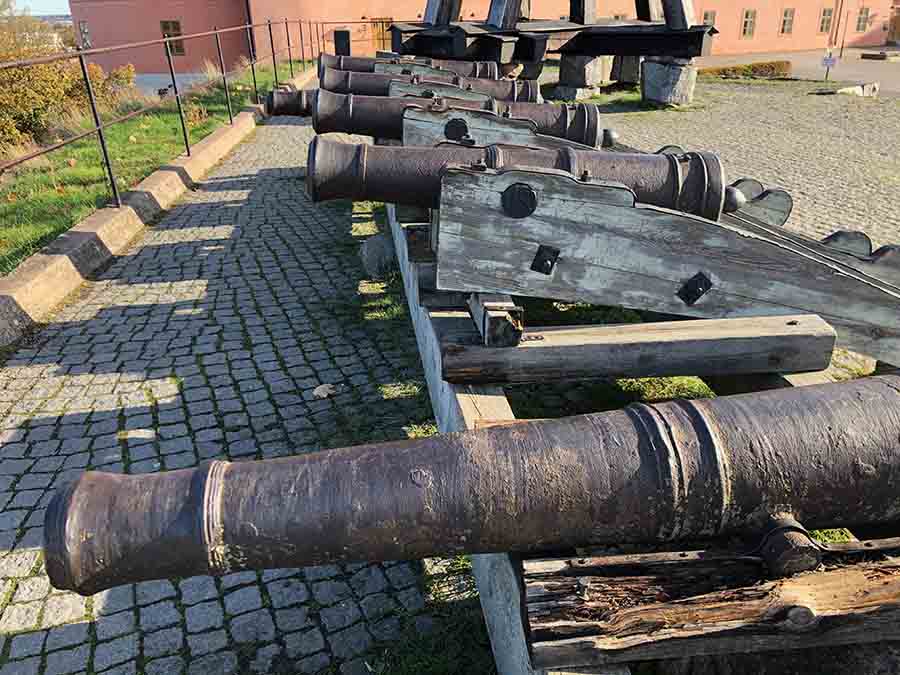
838 156
207 340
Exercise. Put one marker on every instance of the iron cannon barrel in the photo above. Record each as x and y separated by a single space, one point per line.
366 64
693 182
291 102
827 454
383 117
378 84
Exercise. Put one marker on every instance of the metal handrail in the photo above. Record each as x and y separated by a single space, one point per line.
99 126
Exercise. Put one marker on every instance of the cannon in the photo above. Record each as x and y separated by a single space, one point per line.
379 84
298 102
829 455
692 182
383 117
366 64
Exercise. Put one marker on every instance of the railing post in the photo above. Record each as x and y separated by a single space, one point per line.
224 76
252 62
319 37
272 45
184 131
100 135
287 32
302 46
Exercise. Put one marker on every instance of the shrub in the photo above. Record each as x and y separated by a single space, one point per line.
33 98
761 69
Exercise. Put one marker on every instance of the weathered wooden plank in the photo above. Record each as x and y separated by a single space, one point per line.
648 258
423 127
848 605
704 347
499 320
442 12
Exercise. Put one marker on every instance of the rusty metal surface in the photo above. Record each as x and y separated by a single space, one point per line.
826 454
383 117
693 182
366 64
378 84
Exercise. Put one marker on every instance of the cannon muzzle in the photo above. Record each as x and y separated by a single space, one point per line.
290 102
366 64
383 117
378 84
693 182
827 454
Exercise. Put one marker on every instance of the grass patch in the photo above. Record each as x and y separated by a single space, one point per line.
44 197
768 70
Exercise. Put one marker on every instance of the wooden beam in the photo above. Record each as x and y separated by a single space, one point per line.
649 10
587 242
498 319
583 11
505 14
705 347
667 611
442 12
679 14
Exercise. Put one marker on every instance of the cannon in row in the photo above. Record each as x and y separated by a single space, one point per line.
365 64
384 117
649 473
692 182
379 84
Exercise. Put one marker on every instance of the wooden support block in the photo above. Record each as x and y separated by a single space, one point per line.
443 300
498 318
706 347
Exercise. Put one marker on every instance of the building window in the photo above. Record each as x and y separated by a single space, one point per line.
825 20
709 18
787 22
173 29
84 34
862 21
748 25
620 17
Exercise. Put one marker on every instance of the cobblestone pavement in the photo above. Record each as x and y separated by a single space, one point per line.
207 340
838 156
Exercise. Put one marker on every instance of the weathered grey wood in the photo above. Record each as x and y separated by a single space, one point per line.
505 14
434 89
649 10
849 605
642 257
457 408
426 128
679 14
707 347
498 319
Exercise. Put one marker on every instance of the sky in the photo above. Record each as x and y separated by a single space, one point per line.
43 6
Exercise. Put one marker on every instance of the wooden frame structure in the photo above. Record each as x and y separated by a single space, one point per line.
510 588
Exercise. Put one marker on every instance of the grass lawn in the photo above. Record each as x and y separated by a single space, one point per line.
45 197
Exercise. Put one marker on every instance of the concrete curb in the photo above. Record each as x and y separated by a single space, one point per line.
45 279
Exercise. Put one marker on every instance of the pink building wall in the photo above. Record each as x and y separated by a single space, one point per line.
116 21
